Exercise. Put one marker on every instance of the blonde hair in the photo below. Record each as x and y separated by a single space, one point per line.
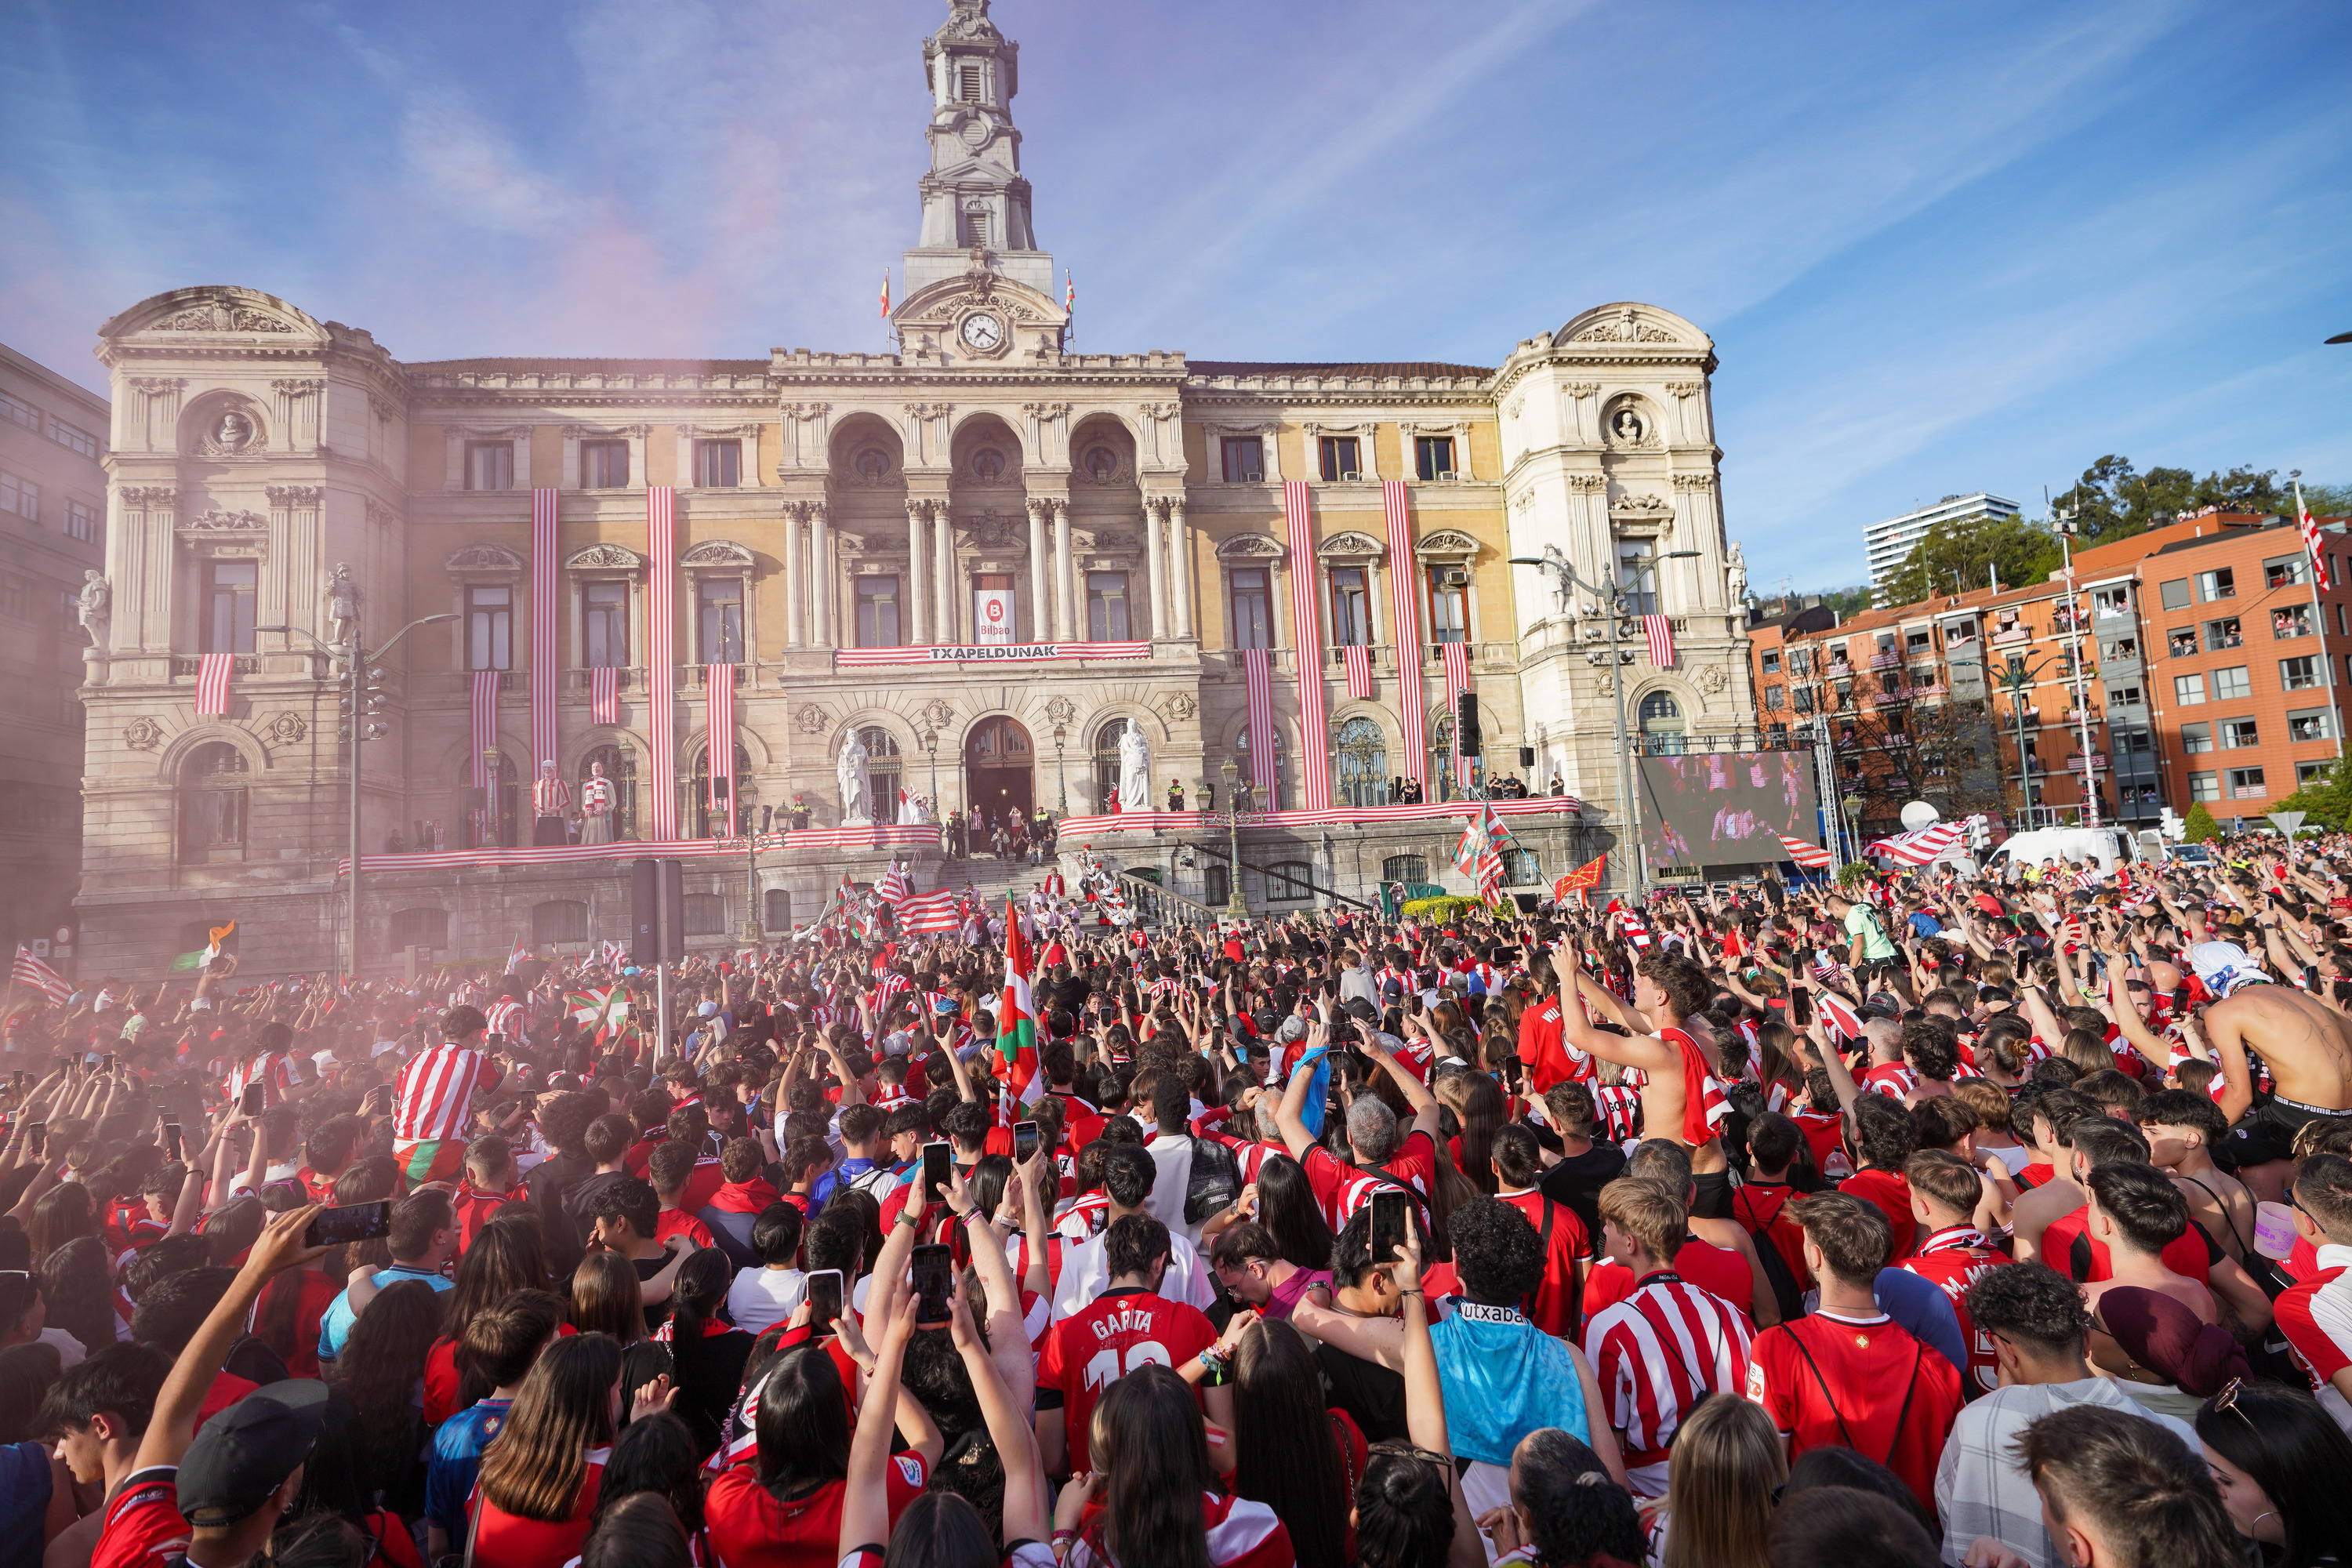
1720 1480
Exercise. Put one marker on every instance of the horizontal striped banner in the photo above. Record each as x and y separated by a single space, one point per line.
974 653
892 836
1337 815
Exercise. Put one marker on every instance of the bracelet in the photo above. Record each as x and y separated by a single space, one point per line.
908 1216
1413 1292
1062 1535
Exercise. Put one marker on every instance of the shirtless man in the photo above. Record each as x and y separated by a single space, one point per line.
2307 1046
1667 988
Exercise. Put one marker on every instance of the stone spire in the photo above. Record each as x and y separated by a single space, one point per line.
974 193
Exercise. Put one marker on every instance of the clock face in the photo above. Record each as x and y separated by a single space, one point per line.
982 330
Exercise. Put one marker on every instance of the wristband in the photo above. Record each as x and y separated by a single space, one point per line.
908 1217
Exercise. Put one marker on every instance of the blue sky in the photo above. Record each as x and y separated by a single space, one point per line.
1940 247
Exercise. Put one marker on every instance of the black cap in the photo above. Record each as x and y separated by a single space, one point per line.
245 1453
1359 1008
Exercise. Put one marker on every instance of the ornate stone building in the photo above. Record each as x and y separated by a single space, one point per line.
983 489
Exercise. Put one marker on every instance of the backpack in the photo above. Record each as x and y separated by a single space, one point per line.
1214 1182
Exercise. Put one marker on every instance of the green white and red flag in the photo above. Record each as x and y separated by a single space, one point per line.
1017 1018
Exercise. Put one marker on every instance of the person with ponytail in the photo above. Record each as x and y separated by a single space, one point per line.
707 1352
1152 1503
541 1474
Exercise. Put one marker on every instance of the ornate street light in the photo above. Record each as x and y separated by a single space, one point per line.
1061 778
1236 908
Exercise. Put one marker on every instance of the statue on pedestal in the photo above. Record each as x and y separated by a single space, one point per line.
341 603
1134 771
94 608
856 789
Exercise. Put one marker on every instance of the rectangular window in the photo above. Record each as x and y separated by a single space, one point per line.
718 465
17 411
489 627
1216 886
2188 690
2246 784
2298 674
228 605
2223 633
877 612
2311 772
968 82
2204 786
605 614
1449 604
1773 696
2124 696
81 523
16 596
1245 458
1351 608
721 601
2232 682
1637 576
2309 724
2131 743
2286 571
604 464
22 497
2222 582
2180 642
1339 457
2291 621
72 436
1433 455
2175 593
1916 643
1252 608
1801 661
490 465
973 227
1804 700
1107 606
2238 734
1772 664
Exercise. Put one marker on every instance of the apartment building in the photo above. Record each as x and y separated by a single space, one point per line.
1888 544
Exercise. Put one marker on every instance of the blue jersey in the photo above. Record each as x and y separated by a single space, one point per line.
457 1447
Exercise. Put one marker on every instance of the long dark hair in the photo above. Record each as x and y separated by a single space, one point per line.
2297 1454
79 1284
1286 1455
61 1215
643 1530
506 1256
606 1298
384 1359
942 1529
534 1467
1287 1207
654 1454
1147 1441
801 1424
1481 1111
1404 1509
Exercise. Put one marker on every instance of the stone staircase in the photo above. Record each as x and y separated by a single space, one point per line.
986 877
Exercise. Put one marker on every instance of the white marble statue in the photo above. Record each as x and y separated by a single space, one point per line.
94 609
1735 567
856 789
341 600
1134 771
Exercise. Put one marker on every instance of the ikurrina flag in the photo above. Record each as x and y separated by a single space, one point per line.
1016 1019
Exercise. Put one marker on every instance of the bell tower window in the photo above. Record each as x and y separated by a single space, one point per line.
974 228
968 77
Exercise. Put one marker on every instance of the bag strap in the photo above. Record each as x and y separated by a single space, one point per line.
1917 1361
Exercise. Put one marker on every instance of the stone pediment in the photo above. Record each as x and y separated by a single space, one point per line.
1656 507
1351 545
1250 547
213 311
717 553
1451 543
1629 323
483 558
604 557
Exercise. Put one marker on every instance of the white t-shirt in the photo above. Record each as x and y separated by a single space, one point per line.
1086 1273
763 1296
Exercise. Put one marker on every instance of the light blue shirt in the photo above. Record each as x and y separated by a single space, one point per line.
336 1326
1504 1378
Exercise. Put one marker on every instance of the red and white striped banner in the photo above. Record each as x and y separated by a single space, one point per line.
661 659
988 653
213 670
543 619
1260 685
1456 657
1336 816
1404 589
1307 637
604 695
718 699
1358 660
30 970
2310 531
1921 848
1661 633
892 836
928 912
484 723
1811 857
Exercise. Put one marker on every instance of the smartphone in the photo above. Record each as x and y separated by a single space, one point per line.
36 1131
354 1222
2180 1000
110 1062
172 1141
251 1101
937 1162
825 1299
1388 1223
1801 1007
934 1281
1025 1142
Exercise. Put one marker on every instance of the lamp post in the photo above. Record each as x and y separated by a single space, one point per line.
360 706
929 742
1611 595
1236 908
1061 778
747 798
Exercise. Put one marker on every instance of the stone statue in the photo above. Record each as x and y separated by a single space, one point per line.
1627 426
856 789
1736 569
1134 771
342 601
94 608
235 432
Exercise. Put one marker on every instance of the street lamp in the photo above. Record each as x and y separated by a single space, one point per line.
930 740
360 707
1061 778
1613 600
747 797
1236 908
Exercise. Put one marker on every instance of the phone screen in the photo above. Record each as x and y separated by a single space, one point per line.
251 1102
36 1131
824 1298
1025 1142
1800 1008
936 1165
110 1062
354 1222
172 1140
1388 1225
934 1280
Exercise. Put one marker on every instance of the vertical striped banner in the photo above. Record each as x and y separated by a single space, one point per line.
604 695
543 618
485 729
1660 631
661 661
213 670
1404 596
1359 659
718 699
1307 638
1260 684
1456 655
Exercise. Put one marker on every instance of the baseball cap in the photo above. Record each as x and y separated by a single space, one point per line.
245 1453
1359 1008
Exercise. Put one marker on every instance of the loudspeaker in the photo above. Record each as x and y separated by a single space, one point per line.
1466 723
1527 756
656 912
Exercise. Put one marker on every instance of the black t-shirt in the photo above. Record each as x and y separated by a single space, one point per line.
1371 1394
550 1184
1576 1182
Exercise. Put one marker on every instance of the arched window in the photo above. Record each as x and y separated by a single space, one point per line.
884 769
559 920
1106 757
213 804
713 824
421 928
1441 762
779 909
1362 754
1276 798
621 767
1661 723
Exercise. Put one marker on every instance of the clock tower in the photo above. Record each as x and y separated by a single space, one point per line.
974 193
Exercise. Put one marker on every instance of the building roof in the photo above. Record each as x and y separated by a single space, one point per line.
630 366
1402 370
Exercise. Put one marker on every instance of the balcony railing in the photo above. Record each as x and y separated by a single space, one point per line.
2011 635
2074 762
1885 660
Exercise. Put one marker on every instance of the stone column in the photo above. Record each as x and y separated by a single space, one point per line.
1179 565
821 577
1066 608
1155 566
917 583
945 621
1040 601
795 623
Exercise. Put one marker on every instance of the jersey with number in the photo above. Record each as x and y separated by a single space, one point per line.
1956 1258
1124 1327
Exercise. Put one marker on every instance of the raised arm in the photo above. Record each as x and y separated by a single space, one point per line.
1424 1400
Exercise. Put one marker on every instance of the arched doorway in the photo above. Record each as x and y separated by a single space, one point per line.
998 773
1106 764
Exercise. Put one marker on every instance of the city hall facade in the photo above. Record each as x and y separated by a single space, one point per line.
1063 547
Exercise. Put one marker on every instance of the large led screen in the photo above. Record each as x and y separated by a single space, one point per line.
1725 808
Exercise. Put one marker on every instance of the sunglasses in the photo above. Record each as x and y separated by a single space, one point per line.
2228 1400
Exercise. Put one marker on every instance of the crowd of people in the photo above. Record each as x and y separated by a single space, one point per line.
1993 1221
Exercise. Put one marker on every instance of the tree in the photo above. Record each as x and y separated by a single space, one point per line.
1955 556
2201 828
2113 500
2326 501
2326 801
1847 601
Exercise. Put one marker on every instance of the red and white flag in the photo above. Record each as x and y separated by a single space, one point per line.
886 290
2310 538
485 727
718 697
213 670
661 647
891 886
30 970
928 912
1307 637
1405 607
1661 633
1358 660
543 621
1810 855
1840 1014
604 695
1259 683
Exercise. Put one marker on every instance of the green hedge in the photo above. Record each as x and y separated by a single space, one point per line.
1447 907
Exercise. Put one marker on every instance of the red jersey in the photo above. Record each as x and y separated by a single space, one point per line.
1955 1258
2319 1329
502 1541
1824 1131
749 1528
1864 1383
1241 1535
1547 1056
1124 1327
1717 1271
1344 1189
143 1528
436 1090
702 1185
679 1222
1658 1351
1891 1195
1762 1210
2068 1246
474 1208
1553 1308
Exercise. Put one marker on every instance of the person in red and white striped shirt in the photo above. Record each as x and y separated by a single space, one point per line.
435 1095
1662 1349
